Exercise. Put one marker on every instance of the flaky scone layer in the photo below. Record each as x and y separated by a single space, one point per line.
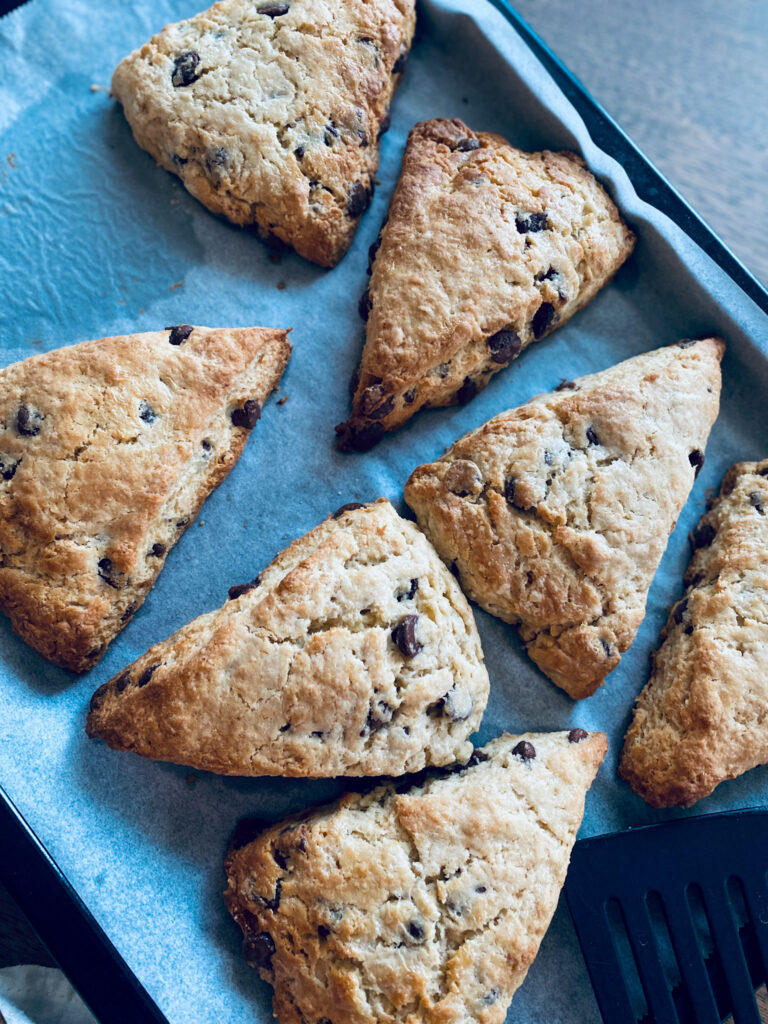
703 715
421 905
107 451
556 514
271 113
353 653
486 249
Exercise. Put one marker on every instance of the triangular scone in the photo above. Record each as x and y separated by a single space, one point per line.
556 514
271 113
353 653
419 905
486 250
702 717
107 451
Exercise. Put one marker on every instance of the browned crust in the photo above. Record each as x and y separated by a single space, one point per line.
452 268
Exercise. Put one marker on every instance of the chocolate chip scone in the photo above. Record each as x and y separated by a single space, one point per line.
701 718
556 514
486 250
353 653
271 113
107 451
425 904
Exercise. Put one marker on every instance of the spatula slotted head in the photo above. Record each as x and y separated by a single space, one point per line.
673 919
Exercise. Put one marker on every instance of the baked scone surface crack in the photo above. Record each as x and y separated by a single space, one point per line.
107 451
271 113
420 904
703 716
485 250
556 514
354 652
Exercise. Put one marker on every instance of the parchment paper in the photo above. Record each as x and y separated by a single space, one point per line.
97 240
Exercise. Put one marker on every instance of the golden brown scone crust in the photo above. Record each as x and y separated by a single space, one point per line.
309 672
421 906
109 449
701 718
486 250
270 113
556 514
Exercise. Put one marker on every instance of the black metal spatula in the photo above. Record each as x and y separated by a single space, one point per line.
673 919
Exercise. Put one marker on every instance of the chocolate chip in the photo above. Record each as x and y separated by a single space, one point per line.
491 997
179 333
274 903
122 681
577 735
703 536
416 931
481 888
359 438
548 275
8 467
467 145
524 750
147 674
349 507
756 499
157 550
680 609
399 66
530 223
385 123
248 416
323 931
108 573
98 697
358 199
364 305
331 133
542 319
592 437
463 478
146 412
28 423
375 406
404 636
696 459
273 10
207 448
607 647
477 757
408 595
259 949
362 134
566 385
372 251
299 152
763 471
409 396
379 715
181 523
509 491
457 705
467 391
243 588
504 345
285 728
185 69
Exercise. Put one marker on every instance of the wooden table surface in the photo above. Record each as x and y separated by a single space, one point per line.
688 81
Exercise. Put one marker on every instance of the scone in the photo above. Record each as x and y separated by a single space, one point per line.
107 451
417 905
701 718
486 250
271 113
353 653
556 514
